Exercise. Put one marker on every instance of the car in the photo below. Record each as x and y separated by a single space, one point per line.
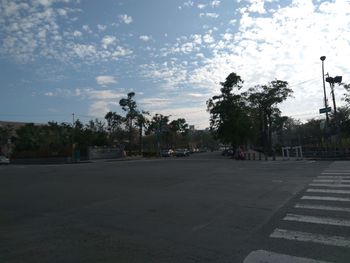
228 152
166 153
4 160
182 152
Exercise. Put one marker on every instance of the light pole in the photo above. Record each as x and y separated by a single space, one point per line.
324 89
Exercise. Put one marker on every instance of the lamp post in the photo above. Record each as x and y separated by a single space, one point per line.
324 89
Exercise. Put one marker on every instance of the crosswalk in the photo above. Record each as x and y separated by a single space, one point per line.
316 227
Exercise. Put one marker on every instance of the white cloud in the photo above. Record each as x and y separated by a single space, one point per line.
101 27
233 22
145 38
215 3
86 28
77 33
105 80
211 15
49 94
125 19
107 41
84 51
45 2
104 94
197 39
160 102
201 6
207 38
99 108
121 52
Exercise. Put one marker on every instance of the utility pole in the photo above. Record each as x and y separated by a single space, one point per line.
73 118
324 89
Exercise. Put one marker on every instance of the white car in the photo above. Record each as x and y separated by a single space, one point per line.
4 160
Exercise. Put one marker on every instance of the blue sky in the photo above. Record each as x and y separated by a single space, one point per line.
59 57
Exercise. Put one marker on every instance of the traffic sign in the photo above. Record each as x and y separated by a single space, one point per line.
324 110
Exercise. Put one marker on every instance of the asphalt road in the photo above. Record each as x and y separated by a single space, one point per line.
204 208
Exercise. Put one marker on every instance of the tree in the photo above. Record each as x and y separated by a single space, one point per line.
5 137
178 130
130 107
158 126
265 98
114 126
347 95
141 122
229 113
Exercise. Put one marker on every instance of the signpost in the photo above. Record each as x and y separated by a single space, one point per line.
325 110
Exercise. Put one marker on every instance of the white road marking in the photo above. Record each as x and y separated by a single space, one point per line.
263 256
329 191
317 220
331 180
333 177
323 207
326 198
310 237
331 185
341 172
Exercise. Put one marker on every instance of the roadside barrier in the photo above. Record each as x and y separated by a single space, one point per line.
298 152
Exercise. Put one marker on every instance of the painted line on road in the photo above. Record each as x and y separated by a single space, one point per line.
340 172
326 198
333 177
260 256
310 237
330 180
317 220
331 185
323 207
329 191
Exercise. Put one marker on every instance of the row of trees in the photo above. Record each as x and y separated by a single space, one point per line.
135 131
253 118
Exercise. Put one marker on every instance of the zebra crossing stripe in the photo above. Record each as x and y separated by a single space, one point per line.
326 198
329 191
317 220
331 180
263 256
330 185
323 207
333 177
311 237
335 173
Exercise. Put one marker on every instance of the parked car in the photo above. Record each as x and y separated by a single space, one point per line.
228 152
166 153
4 160
182 152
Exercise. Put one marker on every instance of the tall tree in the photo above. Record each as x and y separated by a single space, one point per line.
229 114
178 130
114 126
130 107
265 99
142 122
158 126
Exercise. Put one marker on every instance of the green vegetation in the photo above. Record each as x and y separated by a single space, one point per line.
252 119
136 131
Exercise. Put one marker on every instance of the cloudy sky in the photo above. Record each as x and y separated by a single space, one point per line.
59 57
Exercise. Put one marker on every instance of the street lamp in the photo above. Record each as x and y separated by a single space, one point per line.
324 88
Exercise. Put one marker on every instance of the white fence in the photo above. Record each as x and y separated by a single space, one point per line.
288 153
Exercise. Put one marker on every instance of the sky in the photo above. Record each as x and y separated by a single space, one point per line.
59 57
